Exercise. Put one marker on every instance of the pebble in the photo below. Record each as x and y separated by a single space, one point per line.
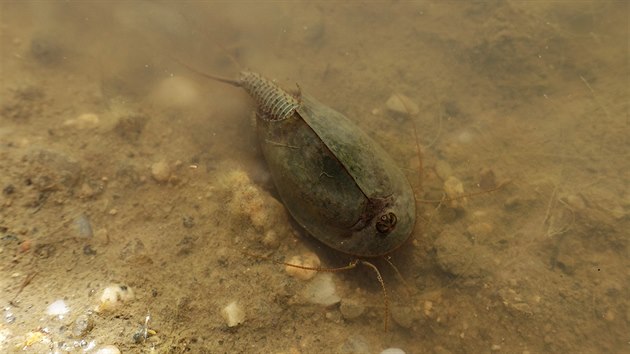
57 308
454 189
609 315
308 259
402 104
403 316
321 290
393 351
107 349
487 179
161 171
233 314
82 325
427 308
351 309
271 239
355 344
454 254
249 200
83 226
443 169
130 127
114 296
84 121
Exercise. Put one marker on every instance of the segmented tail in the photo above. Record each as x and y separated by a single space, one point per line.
273 102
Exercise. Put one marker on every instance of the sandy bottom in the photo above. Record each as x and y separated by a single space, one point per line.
133 191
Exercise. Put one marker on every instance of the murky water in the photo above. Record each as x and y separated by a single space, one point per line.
122 168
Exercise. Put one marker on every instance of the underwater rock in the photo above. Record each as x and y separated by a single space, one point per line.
351 309
402 104
107 349
113 297
233 314
161 171
308 259
83 121
321 290
454 189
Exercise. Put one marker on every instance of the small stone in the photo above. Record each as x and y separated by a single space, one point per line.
271 239
233 314
84 121
427 308
107 349
403 316
454 253
88 250
130 127
495 347
188 221
609 315
82 326
83 226
355 344
351 309
454 190
402 104
309 260
161 171
393 351
113 297
321 290
443 169
487 179
57 308
86 191
9 317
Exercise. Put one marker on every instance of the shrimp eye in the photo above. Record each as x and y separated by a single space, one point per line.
386 224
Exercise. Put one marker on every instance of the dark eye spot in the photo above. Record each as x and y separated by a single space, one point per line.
386 224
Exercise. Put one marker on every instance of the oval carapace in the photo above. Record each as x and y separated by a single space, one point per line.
337 182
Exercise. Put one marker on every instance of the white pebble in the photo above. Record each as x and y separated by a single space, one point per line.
107 349
57 308
85 120
309 259
161 171
233 314
393 351
321 290
114 296
402 104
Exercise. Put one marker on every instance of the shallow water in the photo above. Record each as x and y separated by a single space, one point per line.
121 166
